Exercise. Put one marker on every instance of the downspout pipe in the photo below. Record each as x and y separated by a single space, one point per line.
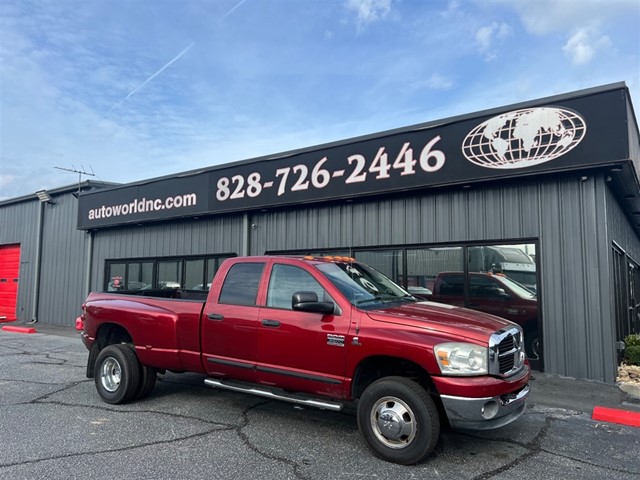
89 266
38 266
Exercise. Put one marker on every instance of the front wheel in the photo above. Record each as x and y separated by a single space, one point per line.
399 420
117 374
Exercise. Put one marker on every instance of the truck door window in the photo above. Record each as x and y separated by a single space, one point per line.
286 280
481 287
241 284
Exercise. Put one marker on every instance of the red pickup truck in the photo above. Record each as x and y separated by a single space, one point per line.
321 332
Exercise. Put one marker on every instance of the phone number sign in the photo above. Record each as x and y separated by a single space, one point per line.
337 172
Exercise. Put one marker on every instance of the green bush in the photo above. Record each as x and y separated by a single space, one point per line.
632 355
632 341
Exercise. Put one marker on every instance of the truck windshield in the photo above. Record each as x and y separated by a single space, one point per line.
519 289
362 285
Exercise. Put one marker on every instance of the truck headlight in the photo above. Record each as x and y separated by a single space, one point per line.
456 358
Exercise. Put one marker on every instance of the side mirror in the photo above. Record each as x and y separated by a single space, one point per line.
308 302
504 296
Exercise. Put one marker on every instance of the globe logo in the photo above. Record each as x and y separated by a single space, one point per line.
524 138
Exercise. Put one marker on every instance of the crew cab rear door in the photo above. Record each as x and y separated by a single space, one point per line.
230 322
301 351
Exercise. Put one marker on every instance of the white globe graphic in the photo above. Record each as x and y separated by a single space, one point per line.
524 138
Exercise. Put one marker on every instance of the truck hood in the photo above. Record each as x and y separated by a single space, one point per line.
456 322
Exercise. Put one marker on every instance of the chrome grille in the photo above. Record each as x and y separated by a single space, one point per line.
506 352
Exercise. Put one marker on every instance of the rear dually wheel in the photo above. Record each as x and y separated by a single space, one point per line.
117 374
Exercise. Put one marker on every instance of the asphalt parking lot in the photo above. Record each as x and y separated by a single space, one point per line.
53 425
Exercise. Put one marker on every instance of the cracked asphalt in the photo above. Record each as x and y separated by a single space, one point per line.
53 425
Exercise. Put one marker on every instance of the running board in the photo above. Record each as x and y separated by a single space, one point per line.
324 405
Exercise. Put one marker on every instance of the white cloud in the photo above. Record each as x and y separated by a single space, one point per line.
439 82
542 17
578 47
583 45
490 37
369 11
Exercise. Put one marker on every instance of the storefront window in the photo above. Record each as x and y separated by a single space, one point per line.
139 276
186 273
388 262
194 275
116 277
168 274
502 281
514 261
424 265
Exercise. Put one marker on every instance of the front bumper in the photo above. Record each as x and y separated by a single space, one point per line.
485 413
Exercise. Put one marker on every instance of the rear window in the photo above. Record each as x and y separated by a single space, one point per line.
241 284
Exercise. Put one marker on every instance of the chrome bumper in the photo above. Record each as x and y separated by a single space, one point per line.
485 413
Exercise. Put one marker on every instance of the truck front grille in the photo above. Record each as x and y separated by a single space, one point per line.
506 352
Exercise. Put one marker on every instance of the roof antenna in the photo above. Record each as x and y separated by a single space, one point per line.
80 173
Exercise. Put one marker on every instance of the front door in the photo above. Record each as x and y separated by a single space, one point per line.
301 351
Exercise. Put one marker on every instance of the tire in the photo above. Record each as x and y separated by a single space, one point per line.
399 420
533 345
117 374
148 377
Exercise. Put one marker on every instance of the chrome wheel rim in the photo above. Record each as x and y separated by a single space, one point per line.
393 422
110 374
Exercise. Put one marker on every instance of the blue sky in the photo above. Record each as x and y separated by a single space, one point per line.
139 89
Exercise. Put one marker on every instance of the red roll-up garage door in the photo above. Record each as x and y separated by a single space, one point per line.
9 271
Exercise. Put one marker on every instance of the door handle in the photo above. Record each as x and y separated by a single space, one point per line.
271 323
215 316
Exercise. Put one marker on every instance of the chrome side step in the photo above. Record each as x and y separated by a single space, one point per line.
322 404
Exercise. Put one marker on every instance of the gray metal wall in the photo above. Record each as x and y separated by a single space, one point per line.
62 274
19 224
619 228
565 214
501 212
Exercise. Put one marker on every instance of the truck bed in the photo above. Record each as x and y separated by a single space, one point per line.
165 330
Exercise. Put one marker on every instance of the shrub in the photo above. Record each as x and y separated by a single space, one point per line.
632 341
632 354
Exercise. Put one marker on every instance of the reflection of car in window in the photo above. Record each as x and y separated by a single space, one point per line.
419 292
496 294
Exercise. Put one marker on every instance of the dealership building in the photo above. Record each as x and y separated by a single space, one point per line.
531 210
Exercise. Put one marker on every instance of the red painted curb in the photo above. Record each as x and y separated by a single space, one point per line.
19 329
613 415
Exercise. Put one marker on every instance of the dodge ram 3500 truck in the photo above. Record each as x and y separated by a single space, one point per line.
321 332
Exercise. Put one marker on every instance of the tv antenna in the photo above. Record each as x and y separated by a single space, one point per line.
79 172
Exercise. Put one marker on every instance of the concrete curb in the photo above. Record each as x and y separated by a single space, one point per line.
10 328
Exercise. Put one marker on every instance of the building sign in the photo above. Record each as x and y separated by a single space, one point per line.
578 132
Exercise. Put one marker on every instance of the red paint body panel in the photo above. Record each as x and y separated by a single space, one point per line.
161 329
298 351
